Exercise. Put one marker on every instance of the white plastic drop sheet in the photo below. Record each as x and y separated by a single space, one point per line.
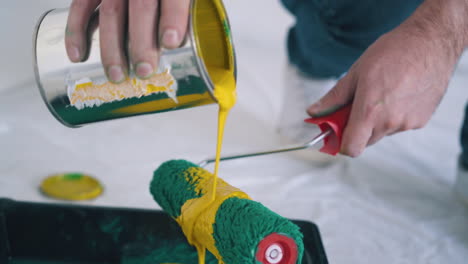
394 204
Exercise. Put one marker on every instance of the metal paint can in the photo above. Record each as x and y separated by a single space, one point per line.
79 93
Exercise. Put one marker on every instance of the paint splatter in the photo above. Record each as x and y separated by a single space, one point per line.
112 227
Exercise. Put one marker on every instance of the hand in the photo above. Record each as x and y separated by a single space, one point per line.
395 86
137 17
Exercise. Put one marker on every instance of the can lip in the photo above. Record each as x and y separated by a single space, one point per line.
36 71
200 63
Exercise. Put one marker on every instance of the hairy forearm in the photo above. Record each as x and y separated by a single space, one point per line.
445 21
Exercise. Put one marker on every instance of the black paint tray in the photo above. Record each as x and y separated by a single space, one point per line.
36 233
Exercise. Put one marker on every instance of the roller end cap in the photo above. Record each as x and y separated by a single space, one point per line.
277 249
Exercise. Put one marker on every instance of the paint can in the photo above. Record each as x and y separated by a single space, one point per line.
79 93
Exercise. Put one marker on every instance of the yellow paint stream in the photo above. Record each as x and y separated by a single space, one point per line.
214 45
213 42
198 215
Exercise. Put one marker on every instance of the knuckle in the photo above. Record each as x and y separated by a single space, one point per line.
370 112
143 49
350 151
412 125
373 76
79 5
335 93
390 125
344 151
143 4
111 8
405 126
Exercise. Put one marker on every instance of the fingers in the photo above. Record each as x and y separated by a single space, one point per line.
173 23
112 16
336 98
376 136
391 126
75 35
143 41
142 27
358 131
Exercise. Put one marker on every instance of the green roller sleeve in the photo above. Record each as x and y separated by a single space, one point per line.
244 231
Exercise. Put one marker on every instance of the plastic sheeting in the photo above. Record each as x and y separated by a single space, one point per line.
394 204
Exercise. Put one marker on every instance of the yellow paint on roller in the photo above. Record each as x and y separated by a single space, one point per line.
90 94
198 215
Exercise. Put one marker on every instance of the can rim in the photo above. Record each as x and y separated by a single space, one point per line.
195 48
36 71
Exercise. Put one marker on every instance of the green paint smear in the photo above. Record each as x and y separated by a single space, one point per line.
112 227
170 188
227 29
181 253
73 176
68 32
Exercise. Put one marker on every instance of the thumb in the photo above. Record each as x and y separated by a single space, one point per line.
336 98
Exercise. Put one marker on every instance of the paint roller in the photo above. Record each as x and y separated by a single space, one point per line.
235 229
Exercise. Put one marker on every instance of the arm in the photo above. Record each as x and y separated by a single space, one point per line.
397 84
444 20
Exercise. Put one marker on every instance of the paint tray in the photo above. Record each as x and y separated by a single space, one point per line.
36 233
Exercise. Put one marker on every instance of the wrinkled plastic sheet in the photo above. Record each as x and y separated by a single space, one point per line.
394 204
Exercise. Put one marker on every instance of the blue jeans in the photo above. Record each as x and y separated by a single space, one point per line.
329 35
464 140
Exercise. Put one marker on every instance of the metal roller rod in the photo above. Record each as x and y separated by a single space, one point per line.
309 144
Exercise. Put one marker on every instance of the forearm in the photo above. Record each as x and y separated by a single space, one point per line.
445 21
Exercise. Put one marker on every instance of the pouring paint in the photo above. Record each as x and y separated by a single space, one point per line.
203 71
221 68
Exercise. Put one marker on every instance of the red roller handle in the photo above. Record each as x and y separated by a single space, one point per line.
336 122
